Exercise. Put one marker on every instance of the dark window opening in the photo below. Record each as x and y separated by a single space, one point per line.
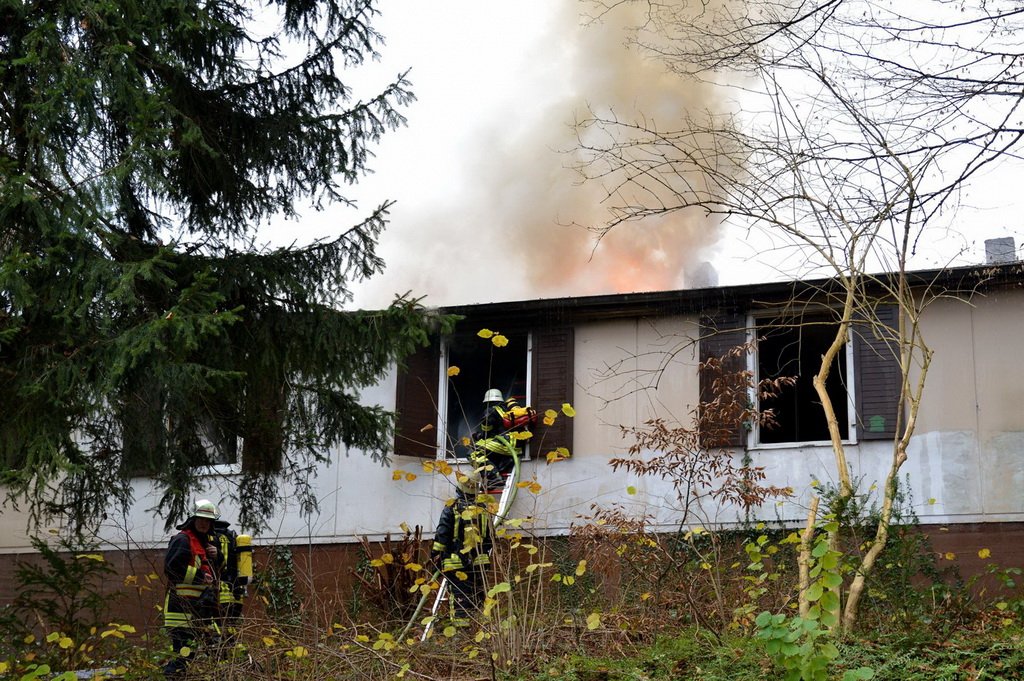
482 365
795 350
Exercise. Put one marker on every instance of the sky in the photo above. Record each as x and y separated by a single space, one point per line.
488 207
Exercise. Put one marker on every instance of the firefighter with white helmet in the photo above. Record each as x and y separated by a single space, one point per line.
191 603
462 541
495 447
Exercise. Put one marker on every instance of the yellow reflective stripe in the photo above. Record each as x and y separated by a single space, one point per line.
190 573
451 563
482 559
438 546
189 590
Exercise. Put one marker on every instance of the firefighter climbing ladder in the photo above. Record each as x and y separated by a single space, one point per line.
508 495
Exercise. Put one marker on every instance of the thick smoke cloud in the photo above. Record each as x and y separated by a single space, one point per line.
513 224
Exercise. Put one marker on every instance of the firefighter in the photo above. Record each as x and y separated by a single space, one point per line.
495 448
462 543
190 608
232 587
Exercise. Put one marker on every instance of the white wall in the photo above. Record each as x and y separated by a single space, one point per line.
966 462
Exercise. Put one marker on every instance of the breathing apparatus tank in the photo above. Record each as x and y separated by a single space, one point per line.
243 544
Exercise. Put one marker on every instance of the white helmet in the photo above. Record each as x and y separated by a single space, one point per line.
468 483
493 395
205 508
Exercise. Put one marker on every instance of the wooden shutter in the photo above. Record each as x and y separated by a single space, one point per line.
719 334
552 382
416 403
877 370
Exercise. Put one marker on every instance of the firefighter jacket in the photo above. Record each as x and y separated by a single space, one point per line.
463 536
186 567
226 565
495 445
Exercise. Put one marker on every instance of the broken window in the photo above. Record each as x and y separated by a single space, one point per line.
793 347
481 366
537 362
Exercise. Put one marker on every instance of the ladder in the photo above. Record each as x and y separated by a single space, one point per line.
508 495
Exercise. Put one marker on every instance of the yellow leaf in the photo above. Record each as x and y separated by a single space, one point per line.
499 341
549 421
362 638
376 562
550 414
4 666
29 639
535 487
568 580
931 502
705 566
479 636
405 527
185 651
65 642
645 596
388 558
581 569
568 410
415 567
126 627
268 642
984 553
91 556
485 333
453 371
397 475
428 466
410 477
461 576
299 651
449 631
593 621
53 636
950 555
631 490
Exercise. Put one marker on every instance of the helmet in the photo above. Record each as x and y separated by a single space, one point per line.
205 508
493 395
468 483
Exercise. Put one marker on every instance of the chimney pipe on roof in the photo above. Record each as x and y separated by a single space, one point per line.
1000 251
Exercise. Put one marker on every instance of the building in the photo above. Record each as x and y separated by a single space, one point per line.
622 359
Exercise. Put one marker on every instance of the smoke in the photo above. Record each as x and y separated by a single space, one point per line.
514 225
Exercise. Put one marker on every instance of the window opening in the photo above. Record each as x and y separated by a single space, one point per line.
482 366
794 348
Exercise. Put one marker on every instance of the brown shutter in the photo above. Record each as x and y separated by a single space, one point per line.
416 403
553 385
719 334
877 370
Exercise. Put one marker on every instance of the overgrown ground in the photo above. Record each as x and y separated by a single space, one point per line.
611 602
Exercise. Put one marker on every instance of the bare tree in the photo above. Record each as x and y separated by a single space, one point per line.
855 126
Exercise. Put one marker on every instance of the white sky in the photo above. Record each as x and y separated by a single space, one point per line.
483 199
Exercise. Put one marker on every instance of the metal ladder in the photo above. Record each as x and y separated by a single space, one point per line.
508 495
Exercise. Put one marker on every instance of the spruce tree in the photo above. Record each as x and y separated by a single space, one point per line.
142 330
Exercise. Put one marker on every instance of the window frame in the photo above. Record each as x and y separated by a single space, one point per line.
753 364
443 385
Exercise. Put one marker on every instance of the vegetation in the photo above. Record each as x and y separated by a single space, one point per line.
144 328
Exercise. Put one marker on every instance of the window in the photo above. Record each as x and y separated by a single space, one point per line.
787 349
794 348
538 362
482 366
